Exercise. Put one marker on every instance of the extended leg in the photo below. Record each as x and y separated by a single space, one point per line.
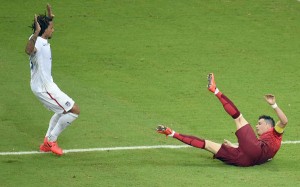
228 105
190 140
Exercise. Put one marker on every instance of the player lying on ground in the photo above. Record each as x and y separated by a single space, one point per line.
250 149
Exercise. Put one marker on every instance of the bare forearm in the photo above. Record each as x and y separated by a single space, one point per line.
270 98
49 10
30 44
282 117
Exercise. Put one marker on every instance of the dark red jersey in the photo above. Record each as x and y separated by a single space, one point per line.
270 144
251 150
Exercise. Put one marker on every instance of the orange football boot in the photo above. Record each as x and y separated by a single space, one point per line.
164 130
45 147
211 83
55 148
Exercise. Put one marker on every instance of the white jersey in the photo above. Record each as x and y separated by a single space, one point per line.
42 84
40 66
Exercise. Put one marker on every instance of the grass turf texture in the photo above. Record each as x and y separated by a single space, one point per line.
131 65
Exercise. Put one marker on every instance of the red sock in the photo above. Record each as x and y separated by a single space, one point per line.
228 105
190 140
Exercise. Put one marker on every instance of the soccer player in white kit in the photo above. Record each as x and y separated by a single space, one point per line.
42 85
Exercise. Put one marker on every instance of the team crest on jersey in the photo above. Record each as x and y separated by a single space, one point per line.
68 103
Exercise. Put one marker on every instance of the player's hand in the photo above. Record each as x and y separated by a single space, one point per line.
37 25
270 99
228 143
49 10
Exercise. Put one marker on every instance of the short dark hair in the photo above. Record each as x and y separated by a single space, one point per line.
268 119
44 22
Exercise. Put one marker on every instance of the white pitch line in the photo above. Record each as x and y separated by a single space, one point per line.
117 148
99 149
291 142
126 148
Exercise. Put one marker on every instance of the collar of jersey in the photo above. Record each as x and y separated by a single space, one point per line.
45 41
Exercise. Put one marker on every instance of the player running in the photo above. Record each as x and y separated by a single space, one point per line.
250 149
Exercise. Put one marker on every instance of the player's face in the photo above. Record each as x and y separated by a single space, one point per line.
49 31
262 127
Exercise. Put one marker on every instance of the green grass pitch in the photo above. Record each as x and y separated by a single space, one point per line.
133 64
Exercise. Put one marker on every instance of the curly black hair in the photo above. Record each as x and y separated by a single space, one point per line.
268 119
44 22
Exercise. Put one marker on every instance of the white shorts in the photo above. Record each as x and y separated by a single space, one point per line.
56 100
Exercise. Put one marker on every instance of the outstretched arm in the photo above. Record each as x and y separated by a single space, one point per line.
282 117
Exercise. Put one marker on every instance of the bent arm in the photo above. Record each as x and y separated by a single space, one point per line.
30 46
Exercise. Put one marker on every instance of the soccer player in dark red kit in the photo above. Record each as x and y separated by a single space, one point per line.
250 149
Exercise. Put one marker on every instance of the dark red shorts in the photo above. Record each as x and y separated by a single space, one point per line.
246 154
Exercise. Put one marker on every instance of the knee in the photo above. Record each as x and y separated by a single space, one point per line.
75 109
